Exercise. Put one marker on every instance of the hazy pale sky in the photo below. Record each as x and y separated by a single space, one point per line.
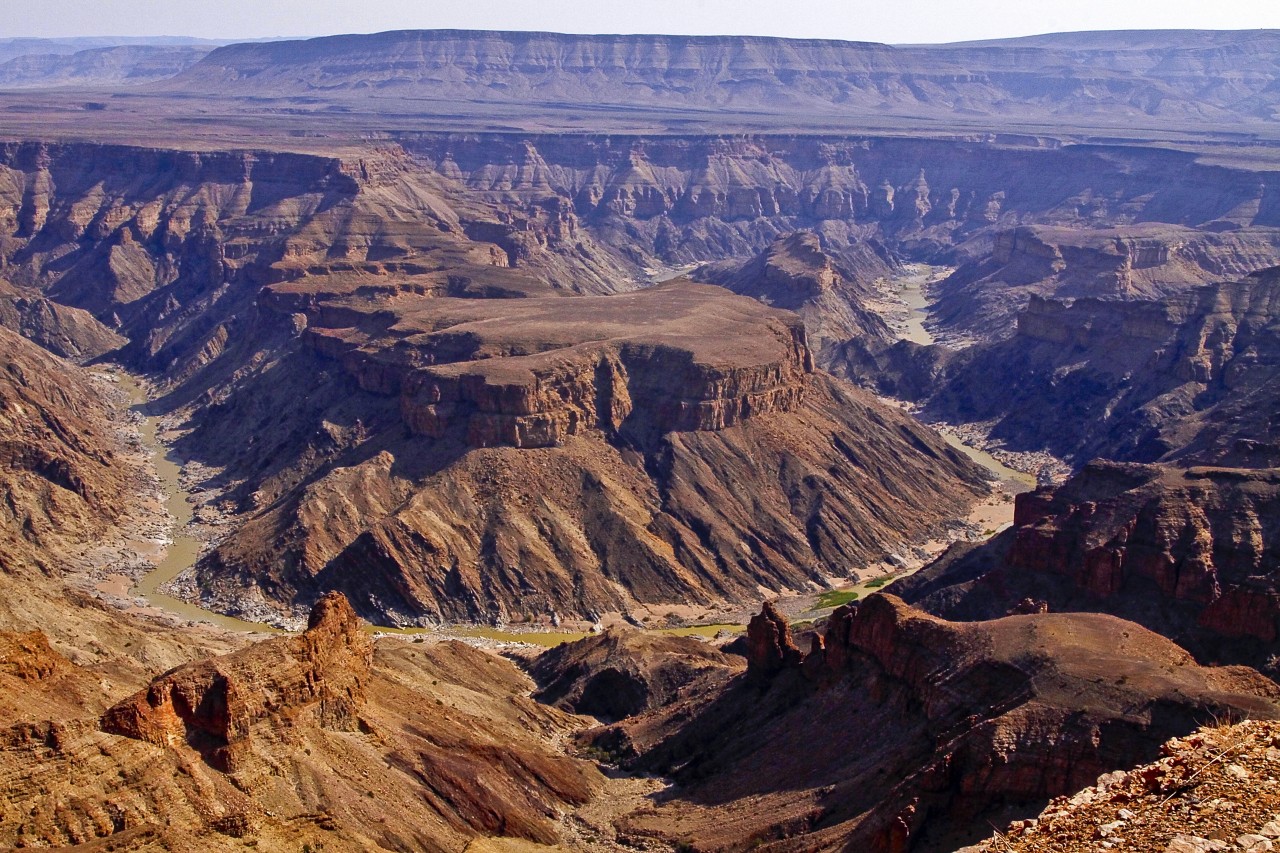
894 21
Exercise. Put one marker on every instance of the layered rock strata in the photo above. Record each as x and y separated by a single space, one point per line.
520 458
1191 378
1185 78
534 372
1146 261
1191 553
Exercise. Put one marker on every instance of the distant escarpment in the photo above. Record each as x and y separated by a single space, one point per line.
899 731
1193 378
1192 553
513 459
1194 78
116 65
1143 261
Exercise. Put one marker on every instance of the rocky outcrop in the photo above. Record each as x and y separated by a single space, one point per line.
624 672
770 647
29 656
1190 553
830 293
213 705
419 746
1231 766
905 732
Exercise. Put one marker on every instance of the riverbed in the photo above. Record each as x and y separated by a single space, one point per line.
911 290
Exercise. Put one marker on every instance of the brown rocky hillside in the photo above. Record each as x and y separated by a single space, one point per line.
899 731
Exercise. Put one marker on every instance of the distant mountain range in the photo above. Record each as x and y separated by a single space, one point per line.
1160 78
97 60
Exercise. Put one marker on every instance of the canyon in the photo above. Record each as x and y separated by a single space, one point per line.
603 337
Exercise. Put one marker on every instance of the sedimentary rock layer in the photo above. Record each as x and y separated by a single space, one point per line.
628 457
1191 553
1186 77
1138 262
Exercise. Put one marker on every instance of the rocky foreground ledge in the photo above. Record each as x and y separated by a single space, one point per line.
1215 790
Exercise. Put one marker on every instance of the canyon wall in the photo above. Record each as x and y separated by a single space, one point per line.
1189 552
519 459
1143 261
1190 378
699 198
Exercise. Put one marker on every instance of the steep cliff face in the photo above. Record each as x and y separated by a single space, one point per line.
533 372
1192 378
703 198
176 262
1138 262
900 731
1191 553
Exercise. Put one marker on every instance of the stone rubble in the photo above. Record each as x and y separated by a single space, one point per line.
1217 789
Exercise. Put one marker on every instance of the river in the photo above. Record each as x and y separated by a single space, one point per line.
911 292
183 549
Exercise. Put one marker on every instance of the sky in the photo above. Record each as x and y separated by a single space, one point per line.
893 21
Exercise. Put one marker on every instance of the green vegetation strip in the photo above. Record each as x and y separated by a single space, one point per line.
836 597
